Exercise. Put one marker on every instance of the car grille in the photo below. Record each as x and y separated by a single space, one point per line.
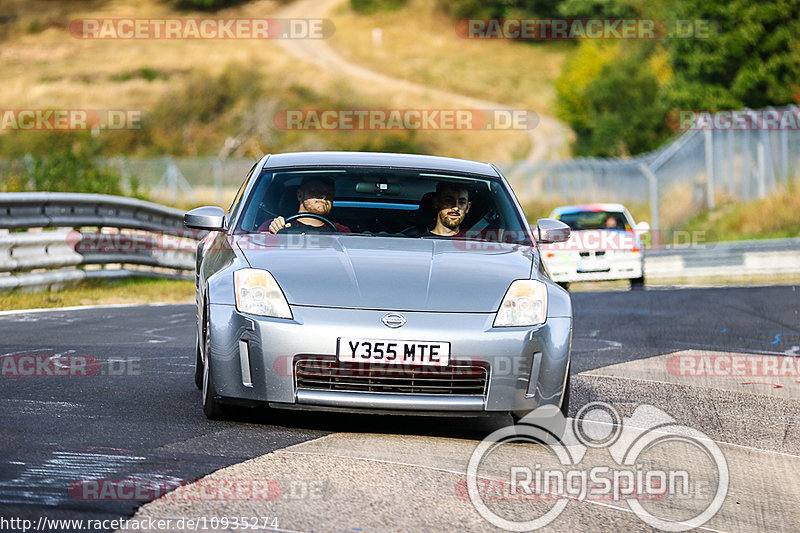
326 373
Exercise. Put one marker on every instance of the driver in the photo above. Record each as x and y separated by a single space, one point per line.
315 196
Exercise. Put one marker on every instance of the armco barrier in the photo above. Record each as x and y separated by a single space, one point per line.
102 230
89 229
732 260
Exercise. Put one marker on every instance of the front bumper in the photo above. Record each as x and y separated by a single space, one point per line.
253 359
569 266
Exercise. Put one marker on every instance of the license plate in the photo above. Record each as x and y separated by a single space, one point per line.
593 266
394 352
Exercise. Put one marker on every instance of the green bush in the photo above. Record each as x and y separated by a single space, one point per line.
373 6
205 5
70 166
72 170
145 73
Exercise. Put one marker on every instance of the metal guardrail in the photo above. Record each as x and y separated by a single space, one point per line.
732 260
91 229
95 230
70 210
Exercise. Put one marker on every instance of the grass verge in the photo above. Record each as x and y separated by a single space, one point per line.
133 291
774 217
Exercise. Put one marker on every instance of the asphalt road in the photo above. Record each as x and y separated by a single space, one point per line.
131 410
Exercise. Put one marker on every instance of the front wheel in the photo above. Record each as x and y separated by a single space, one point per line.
211 406
199 345
637 284
565 400
198 367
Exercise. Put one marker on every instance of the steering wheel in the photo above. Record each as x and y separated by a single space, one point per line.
307 215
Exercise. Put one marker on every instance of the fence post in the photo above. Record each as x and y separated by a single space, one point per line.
709 140
653 182
785 156
762 170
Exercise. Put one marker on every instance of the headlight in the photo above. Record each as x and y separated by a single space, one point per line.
257 293
525 304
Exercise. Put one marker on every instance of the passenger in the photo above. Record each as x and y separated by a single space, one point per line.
612 222
452 204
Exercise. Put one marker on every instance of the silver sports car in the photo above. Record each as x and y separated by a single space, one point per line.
378 283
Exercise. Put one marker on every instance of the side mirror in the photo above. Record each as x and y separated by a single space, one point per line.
550 230
642 227
211 218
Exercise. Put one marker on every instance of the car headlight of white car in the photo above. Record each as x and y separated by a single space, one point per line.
525 304
257 293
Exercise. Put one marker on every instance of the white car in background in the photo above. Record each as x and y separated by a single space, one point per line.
605 244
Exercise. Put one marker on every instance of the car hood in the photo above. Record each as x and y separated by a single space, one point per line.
364 272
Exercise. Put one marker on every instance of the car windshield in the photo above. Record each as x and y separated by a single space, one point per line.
581 220
388 202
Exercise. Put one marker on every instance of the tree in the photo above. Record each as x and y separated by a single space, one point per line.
749 58
626 114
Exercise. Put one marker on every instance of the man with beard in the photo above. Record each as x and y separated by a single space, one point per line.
315 196
452 204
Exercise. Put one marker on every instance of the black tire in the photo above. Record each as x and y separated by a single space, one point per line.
637 284
565 401
563 284
198 367
557 426
198 357
551 430
211 406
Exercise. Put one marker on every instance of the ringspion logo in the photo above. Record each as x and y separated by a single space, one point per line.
648 461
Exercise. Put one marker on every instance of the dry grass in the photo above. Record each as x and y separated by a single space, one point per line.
132 291
776 216
420 44
51 69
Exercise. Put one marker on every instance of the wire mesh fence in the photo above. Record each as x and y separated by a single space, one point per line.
719 156
741 155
